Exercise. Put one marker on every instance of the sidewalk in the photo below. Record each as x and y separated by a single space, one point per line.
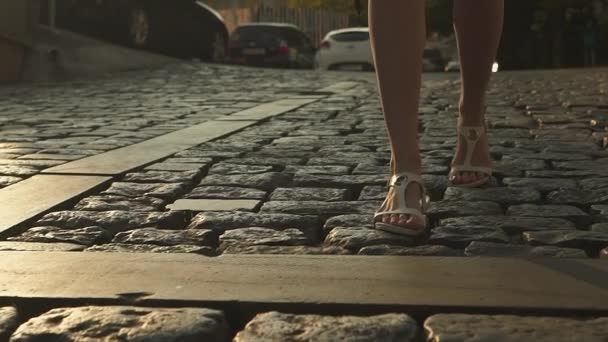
217 160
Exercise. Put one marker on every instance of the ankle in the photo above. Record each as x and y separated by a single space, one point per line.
412 166
471 115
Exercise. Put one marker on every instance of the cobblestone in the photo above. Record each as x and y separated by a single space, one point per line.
114 323
9 320
276 326
114 221
506 328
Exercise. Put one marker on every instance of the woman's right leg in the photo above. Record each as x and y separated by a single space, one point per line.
398 37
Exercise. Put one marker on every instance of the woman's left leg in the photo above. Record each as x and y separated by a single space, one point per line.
478 26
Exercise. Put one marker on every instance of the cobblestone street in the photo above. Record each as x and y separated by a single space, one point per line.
298 164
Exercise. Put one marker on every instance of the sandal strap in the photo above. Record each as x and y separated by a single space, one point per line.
471 142
400 182
405 211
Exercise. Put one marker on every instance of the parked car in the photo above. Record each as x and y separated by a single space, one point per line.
432 60
272 45
179 28
346 49
454 66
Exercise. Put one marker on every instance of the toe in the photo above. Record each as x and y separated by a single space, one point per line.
403 219
386 219
394 219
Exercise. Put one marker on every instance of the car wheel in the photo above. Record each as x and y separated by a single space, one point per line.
139 27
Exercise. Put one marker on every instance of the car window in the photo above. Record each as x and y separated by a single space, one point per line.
293 38
350 36
260 34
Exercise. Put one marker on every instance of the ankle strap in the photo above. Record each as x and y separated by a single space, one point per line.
405 178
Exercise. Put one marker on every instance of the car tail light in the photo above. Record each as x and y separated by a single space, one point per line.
283 48
325 44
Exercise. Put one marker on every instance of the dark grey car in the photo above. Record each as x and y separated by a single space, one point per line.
272 45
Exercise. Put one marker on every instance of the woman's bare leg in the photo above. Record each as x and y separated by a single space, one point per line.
478 27
398 37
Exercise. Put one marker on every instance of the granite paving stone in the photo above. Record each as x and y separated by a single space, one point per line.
86 236
254 236
541 184
501 195
508 328
351 220
17 170
591 241
320 208
573 214
460 237
9 180
108 203
40 246
355 238
125 323
269 161
223 221
162 176
600 212
9 320
174 166
492 249
264 181
160 190
509 224
113 221
352 182
336 170
167 237
226 168
277 326
517 167
562 173
311 194
423 250
581 197
445 209
599 227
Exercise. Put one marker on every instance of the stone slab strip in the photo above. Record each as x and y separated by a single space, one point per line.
327 283
338 87
124 159
37 195
268 110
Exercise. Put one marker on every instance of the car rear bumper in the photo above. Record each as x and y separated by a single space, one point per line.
274 61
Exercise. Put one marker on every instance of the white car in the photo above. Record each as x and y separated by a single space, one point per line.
454 66
346 49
